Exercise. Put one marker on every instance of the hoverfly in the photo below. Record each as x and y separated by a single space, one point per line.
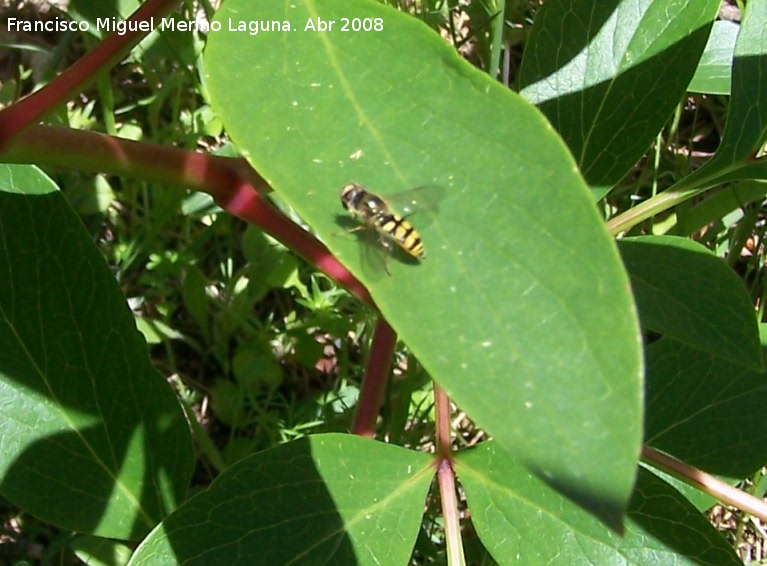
375 213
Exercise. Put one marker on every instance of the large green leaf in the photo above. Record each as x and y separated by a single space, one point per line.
93 438
522 310
609 74
327 499
705 411
514 512
687 293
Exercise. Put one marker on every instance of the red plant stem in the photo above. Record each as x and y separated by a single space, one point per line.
442 421
706 483
93 152
27 111
231 182
375 379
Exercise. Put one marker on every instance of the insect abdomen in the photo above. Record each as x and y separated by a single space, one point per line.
402 232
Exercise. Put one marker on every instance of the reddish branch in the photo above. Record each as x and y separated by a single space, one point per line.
706 483
109 52
376 377
232 182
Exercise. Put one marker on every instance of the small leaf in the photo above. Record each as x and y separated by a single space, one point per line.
326 499
687 293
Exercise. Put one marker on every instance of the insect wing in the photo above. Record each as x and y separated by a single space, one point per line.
375 252
422 199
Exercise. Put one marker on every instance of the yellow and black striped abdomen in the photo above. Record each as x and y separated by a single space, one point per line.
400 231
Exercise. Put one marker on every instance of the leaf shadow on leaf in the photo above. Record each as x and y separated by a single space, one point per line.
609 511
502 496
84 411
579 36
704 410
65 459
271 508
609 125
